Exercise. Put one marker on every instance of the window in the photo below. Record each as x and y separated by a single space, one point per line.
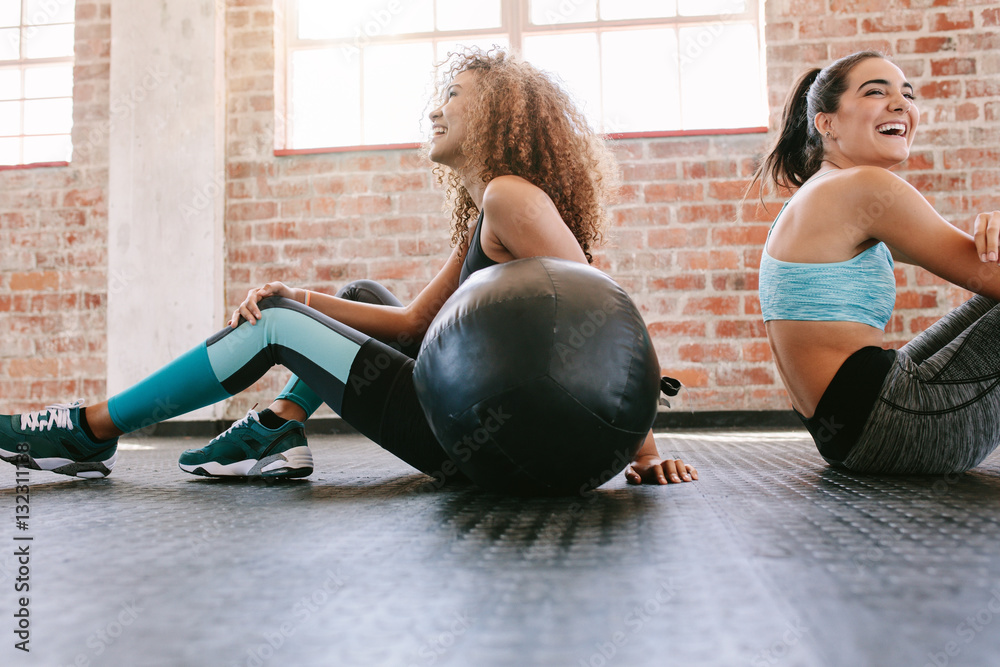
359 74
36 81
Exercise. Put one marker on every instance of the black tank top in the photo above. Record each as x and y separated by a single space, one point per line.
475 258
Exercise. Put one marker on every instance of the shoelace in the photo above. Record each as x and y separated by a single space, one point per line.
58 416
251 414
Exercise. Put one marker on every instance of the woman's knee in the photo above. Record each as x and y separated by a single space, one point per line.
368 291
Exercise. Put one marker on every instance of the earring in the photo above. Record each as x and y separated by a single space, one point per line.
827 135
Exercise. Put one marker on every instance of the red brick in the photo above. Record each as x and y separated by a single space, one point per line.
953 66
740 235
260 210
954 20
88 197
744 376
364 204
982 88
707 352
894 22
826 27
712 305
856 6
399 183
905 299
740 329
34 281
689 377
33 368
671 192
685 328
971 157
759 351
991 17
939 89
925 45
707 213
682 282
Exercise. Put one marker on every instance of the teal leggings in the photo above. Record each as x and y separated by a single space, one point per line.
365 291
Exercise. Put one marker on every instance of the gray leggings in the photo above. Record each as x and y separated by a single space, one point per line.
939 407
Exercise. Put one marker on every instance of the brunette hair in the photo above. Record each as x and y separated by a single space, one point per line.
798 151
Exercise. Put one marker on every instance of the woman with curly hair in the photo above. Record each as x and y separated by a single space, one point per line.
518 162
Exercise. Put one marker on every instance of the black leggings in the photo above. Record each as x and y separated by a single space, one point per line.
369 383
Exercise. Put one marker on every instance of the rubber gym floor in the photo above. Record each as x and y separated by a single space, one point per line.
772 558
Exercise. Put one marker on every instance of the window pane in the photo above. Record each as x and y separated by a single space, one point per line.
572 60
10 84
41 12
52 41
10 12
48 149
640 99
10 39
49 81
320 19
465 15
551 12
10 151
398 85
713 7
359 20
325 99
638 9
48 116
413 16
721 77
10 118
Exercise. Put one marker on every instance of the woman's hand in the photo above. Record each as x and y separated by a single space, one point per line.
249 310
987 236
654 470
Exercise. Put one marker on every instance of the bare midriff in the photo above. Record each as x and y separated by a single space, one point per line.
809 354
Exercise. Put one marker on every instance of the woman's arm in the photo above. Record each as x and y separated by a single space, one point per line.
520 220
887 208
386 323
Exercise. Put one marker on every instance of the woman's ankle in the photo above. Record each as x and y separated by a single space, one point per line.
95 420
288 410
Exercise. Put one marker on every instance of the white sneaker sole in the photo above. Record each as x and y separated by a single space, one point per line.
87 470
294 462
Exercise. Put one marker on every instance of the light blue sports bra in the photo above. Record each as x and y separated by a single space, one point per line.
861 289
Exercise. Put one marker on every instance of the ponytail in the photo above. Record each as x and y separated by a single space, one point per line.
797 153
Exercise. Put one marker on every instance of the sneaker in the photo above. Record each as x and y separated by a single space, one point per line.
249 449
51 439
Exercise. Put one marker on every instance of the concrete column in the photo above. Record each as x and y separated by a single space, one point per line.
166 184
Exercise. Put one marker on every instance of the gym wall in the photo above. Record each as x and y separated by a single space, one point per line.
683 243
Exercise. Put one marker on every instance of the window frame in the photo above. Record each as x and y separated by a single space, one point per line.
515 24
21 65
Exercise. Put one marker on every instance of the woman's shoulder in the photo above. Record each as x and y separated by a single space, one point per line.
853 188
505 195
502 188
859 181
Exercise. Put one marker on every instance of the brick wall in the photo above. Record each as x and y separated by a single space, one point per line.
684 245
53 240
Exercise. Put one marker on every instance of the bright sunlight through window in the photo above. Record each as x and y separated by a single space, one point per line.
36 81
360 74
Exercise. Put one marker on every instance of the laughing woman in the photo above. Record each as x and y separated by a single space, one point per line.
525 177
827 287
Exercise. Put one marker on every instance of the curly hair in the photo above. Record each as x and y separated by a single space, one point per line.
522 123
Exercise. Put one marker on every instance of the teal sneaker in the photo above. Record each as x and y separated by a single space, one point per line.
248 449
51 439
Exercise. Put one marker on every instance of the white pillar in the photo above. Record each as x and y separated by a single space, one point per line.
166 185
